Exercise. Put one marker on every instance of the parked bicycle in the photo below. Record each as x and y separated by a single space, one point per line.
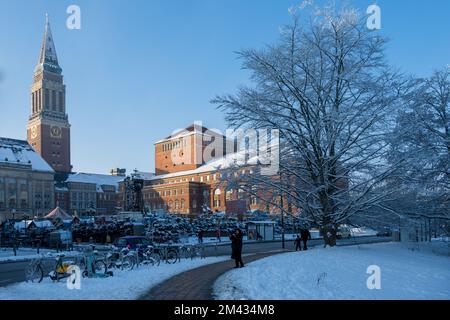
123 259
191 251
168 253
93 266
148 256
62 269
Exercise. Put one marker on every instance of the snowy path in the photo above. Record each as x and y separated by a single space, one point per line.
340 273
197 284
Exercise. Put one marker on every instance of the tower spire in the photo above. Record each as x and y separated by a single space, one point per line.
48 60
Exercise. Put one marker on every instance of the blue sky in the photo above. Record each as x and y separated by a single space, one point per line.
139 69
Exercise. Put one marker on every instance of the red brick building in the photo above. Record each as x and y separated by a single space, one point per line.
186 182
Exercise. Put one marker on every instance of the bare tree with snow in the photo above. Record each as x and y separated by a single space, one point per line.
326 87
421 140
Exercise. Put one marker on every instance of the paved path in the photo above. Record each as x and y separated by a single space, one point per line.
197 284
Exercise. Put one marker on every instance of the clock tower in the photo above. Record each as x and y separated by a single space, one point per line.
48 130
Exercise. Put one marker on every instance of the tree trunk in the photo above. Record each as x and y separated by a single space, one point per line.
329 235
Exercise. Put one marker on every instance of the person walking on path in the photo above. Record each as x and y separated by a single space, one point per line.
236 247
200 236
297 242
305 236
218 235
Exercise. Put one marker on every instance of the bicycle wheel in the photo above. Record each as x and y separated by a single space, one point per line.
156 258
100 267
171 256
127 263
34 273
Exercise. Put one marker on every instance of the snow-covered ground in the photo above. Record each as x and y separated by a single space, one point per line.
123 285
362 231
407 272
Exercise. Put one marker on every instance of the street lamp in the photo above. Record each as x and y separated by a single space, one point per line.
283 243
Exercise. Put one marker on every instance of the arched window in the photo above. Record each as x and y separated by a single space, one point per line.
217 194
182 203
241 194
194 204
176 205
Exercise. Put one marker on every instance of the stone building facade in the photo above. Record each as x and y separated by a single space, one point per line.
26 181
90 194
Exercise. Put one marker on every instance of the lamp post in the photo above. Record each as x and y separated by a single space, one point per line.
283 242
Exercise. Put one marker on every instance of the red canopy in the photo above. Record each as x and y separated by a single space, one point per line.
58 213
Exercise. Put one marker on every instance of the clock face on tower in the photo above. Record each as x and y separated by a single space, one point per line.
33 132
55 132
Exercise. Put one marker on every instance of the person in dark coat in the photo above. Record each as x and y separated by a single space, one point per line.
305 236
236 247
297 244
200 236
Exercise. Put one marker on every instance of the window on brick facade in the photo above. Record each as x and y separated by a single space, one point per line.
217 194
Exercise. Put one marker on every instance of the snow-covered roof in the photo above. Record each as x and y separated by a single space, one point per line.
213 165
190 130
143 175
19 152
98 179
25 224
